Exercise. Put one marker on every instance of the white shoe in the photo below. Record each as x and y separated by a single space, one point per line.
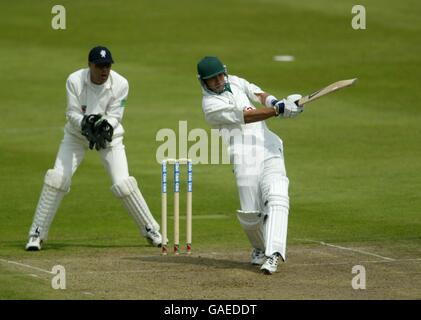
34 243
257 257
153 237
271 264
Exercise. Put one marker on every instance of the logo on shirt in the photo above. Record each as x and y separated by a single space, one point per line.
103 53
83 109
247 108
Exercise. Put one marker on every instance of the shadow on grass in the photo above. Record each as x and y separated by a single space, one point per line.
198 261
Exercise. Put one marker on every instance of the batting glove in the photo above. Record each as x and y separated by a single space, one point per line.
291 107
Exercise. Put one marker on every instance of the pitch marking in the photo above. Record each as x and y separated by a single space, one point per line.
349 249
26 266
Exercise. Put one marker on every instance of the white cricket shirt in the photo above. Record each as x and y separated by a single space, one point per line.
225 112
85 97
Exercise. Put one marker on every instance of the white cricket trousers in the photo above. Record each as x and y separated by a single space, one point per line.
72 151
249 186
265 206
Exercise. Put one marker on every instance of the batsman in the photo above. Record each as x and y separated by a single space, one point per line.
96 99
256 153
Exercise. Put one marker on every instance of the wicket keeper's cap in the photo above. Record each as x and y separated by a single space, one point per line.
100 55
209 67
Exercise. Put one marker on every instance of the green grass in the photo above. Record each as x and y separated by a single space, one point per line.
353 158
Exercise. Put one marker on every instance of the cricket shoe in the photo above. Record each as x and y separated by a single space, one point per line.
257 257
271 264
34 243
153 237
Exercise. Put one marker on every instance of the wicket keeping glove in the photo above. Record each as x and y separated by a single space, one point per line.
103 132
87 125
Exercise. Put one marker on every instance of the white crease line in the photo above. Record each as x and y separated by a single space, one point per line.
36 268
350 262
348 249
26 266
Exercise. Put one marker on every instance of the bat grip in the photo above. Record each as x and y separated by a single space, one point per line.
297 103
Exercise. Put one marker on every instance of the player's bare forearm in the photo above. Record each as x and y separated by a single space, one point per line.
262 97
258 114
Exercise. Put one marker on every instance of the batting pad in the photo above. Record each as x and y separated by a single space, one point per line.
55 187
276 199
129 193
252 223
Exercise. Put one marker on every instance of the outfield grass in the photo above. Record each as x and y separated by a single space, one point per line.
353 158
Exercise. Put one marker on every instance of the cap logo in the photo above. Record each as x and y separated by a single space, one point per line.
103 53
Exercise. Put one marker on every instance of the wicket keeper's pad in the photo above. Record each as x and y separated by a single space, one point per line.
128 191
56 185
276 200
252 223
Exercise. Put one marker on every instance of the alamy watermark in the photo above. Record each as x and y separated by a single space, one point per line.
58 22
239 145
359 20
359 281
59 279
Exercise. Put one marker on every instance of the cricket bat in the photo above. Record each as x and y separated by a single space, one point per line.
326 90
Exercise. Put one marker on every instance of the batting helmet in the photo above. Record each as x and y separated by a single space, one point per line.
209 67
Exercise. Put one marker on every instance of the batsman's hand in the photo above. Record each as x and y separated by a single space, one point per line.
103 132
291 107
88 130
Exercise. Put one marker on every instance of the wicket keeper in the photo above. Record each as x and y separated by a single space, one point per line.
96 99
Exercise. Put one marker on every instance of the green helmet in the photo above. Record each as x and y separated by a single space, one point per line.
209 67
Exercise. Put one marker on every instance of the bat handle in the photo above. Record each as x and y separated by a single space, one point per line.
297 103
